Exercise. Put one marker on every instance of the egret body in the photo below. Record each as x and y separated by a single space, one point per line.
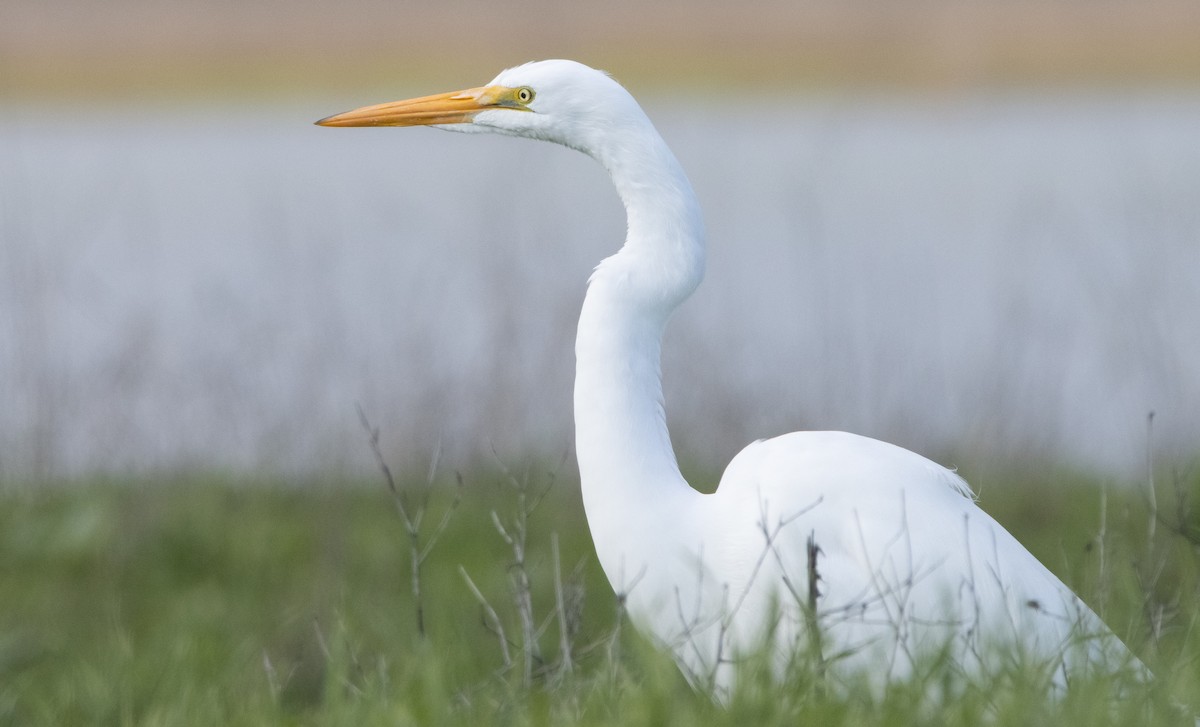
906 563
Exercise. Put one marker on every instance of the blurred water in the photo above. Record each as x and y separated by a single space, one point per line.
1004 276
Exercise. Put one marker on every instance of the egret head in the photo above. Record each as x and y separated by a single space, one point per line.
560 101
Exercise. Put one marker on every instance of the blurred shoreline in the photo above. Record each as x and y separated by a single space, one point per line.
140 49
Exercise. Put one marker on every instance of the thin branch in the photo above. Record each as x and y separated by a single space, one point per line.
1153 498
272 676
446 515
810 613
515 535
491 616
413 516
373 439
566 666
328 654
1101 539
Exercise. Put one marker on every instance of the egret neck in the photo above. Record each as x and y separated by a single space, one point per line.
628 471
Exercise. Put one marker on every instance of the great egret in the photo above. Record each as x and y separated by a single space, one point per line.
865 553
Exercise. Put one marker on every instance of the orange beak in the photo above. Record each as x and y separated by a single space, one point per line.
456 107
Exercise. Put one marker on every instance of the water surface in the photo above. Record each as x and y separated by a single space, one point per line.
1005 277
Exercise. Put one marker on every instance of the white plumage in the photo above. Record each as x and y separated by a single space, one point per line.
908 564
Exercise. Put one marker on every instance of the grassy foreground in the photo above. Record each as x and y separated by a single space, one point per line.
218 601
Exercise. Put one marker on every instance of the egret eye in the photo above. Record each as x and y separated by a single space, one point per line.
524 94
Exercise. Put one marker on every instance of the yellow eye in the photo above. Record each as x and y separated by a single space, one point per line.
524 94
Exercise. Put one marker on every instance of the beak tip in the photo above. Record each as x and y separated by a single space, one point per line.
458 107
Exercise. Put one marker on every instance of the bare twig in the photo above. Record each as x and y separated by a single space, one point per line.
522 589
272 676
1100 540
810 613
413 515
1181 522
513 528
612 643
515 533
328 654
566 665
373 437
1153 499
321 643
491 618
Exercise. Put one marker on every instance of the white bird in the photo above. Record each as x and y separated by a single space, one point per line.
903 564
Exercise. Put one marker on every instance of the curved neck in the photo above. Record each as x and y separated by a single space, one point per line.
626 463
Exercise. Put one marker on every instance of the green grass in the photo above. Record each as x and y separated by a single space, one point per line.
223 601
